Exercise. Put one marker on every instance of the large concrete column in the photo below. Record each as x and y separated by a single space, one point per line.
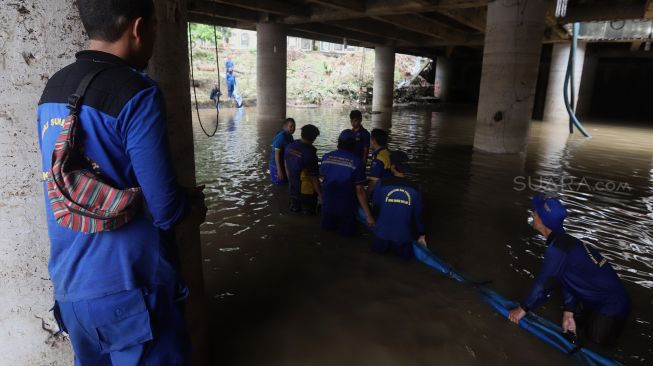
586 89
271 71
554 106
442 78
169 67
511 57
384 74
36 40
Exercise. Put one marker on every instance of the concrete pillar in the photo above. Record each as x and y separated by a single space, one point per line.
511 57
36 40
384 74
442 71
167 67
271 71
554 107
586 90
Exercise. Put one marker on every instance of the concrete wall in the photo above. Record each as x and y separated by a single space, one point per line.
36 39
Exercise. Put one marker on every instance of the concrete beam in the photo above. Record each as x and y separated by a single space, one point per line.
472 18
223 11
385 30
602 11
347 5
222 22
380 8
635 46
648 9
426 26
285 8
330 31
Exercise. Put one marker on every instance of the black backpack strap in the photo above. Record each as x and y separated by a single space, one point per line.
75 100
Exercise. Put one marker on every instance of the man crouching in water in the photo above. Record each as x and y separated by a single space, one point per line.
584 275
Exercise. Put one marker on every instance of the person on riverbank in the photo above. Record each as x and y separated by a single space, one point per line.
215 95
229 64
118 290
399 203
592 292
303 171
342 187
361 135
230 77
277 164
380 165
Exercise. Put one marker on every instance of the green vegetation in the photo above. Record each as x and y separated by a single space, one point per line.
312 77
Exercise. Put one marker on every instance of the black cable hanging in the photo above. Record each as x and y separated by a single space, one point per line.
192 80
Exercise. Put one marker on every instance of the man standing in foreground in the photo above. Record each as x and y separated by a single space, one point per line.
118 293
277 164
303 171
584 275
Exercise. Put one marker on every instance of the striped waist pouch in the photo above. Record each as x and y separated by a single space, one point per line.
80 200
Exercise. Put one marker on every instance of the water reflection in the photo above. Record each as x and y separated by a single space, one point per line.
475 211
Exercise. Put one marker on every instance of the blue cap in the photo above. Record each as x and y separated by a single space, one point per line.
347 135
551 211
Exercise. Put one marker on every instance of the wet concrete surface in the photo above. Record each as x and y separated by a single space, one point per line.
282 292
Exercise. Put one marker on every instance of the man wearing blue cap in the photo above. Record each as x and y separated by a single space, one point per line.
584 275
344 177
400 210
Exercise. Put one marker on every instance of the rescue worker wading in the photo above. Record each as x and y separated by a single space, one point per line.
302 171
400 211
118 292
282 139
588 282
344 177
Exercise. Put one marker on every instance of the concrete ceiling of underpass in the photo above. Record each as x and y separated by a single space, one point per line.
421 27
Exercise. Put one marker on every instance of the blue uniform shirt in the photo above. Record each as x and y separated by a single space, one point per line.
583 275
280 141
342 171
400 210
301 163
362 141
231 79
123 132
229 64
380 166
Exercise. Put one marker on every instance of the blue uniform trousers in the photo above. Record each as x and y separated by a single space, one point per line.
134 327
403 250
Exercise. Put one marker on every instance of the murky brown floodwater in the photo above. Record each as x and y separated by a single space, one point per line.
284 293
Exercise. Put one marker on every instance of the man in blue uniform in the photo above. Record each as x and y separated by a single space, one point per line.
380 165
229 64
342 187
302 171
118 293
279 143
584 275
361 135
231 83
400 211
215 95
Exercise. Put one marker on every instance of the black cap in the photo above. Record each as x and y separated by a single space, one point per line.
400 160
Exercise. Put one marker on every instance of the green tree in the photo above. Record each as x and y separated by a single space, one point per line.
204 33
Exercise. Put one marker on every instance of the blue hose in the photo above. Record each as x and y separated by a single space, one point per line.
569 76
533 323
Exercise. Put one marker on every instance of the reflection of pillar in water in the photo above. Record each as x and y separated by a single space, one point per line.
494 213
382 121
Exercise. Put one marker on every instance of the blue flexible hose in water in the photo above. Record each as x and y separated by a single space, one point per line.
569 84
533 323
